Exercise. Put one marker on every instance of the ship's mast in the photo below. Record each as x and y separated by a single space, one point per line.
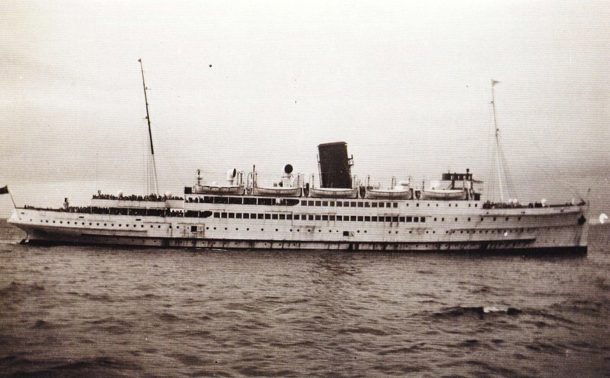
152 184
501 166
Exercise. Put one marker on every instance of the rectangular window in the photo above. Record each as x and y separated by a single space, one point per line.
395 204
282 216
220 200
216 215
231 215
374 204
345 204
352 204
339 204
415 219
223 215
360 204
238 215
331 218
388 219
318 203
317 217
374 219
360 219
265 201
402 219
310 203
367 219
296 216
249 201
193 228
352 218
208 199
310 217
394 219
267 216
289 216
246 215
303 203
381 204
367 204
409 219
324 203
274 216
324 217
332 203
260 216
235 200
422 219
339 217
388 204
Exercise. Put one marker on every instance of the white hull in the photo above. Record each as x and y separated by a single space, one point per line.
520 229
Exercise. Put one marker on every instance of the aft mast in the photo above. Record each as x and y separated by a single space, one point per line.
499 165
152 184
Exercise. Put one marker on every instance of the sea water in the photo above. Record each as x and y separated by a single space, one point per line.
101 311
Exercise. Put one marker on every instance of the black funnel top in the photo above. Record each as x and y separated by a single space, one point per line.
335 166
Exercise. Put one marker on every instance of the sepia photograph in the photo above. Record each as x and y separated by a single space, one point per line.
304 188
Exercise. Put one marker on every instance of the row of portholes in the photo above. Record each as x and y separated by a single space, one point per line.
311 230
498 231
102 224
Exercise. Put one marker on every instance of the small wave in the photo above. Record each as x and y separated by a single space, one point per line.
98 297
363 330
478 311
41 324
188 359
14 287
167 317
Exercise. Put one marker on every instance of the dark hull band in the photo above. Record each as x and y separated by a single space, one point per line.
485 248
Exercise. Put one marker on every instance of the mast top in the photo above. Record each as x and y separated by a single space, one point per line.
153 181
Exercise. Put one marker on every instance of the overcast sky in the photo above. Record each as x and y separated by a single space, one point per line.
405 84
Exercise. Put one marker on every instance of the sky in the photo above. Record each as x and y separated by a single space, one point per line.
235 84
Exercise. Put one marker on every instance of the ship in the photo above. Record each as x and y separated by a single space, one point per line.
339 213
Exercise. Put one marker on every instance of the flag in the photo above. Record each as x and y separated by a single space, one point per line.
4 190
494 82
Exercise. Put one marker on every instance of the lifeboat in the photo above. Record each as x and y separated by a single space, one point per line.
276 191
219 189
443 194
333 192
390 194
234 185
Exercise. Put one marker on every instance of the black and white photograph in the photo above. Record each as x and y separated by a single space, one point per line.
304 188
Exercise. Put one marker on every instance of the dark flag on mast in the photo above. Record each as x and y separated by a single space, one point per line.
4 190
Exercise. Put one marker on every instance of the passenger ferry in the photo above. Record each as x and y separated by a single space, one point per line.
341 213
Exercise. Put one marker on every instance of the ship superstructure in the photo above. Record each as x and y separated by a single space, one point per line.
311 218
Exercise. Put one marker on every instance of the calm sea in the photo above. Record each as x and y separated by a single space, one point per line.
97 311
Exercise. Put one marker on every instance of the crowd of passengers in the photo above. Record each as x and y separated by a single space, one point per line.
510 205
113 211
133 197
